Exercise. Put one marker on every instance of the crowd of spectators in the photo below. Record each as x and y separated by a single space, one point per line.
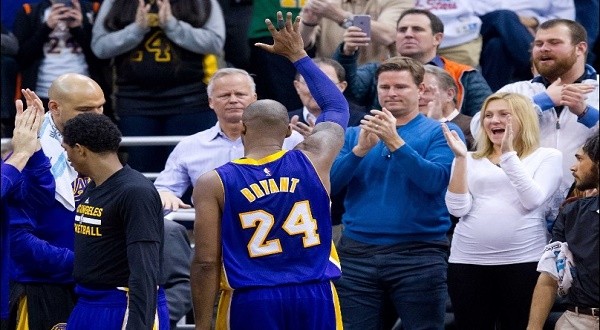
463 113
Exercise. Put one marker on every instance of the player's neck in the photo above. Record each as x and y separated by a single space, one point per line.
262 151
105 167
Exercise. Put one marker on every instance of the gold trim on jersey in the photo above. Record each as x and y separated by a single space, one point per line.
224 310
336 307
262 161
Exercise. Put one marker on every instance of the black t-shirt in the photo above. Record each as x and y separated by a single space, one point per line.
124 210
577 224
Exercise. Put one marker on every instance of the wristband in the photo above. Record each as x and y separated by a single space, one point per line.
584 112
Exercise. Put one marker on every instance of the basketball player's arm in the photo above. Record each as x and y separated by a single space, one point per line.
143 219
206 264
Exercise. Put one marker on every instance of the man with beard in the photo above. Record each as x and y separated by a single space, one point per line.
565 93
577 226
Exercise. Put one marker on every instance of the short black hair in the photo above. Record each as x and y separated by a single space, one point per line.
590 147
435 22
93 131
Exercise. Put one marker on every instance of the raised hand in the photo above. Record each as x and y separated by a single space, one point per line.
309 15
58 13
454 141
287 41
327 8
164 12
354 37
27 125
434 107
508 138
141 15
74 15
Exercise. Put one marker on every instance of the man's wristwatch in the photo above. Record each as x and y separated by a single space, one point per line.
347 22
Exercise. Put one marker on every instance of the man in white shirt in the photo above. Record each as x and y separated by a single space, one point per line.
230 91
565 93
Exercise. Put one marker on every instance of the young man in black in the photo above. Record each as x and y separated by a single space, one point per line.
576 225
118 234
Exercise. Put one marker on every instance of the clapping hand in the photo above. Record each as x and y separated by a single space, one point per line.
141 16
27 125
573 96
508 138
434 107
454 141
164 12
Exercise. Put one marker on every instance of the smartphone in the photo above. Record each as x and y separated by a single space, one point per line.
67 3
363 22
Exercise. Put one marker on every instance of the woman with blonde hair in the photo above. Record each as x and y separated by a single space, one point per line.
500 192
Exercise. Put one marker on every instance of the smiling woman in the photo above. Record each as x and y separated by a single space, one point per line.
500 192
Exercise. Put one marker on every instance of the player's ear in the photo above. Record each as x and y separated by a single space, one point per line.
243 128
289 131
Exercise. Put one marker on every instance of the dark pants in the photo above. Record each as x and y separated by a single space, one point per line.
413 278
274 76
505 54
153 159
237 14
47 304
485 297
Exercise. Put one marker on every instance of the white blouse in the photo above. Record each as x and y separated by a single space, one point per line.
502 215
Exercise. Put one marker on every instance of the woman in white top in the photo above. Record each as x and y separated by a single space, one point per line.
500 193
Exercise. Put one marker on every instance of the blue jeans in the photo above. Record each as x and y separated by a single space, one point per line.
412 276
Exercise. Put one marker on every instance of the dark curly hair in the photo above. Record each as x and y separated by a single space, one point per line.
93 131
591 148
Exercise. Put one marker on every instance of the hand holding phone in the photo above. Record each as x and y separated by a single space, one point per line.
363 22
67 3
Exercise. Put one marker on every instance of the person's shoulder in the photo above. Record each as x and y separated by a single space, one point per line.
132 178
576 205
549 151
450 65
202 136
522 86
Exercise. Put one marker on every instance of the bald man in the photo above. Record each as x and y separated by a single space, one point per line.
264 220
42 239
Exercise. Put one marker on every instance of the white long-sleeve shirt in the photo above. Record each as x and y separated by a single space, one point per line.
502 214
461 25
542 10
